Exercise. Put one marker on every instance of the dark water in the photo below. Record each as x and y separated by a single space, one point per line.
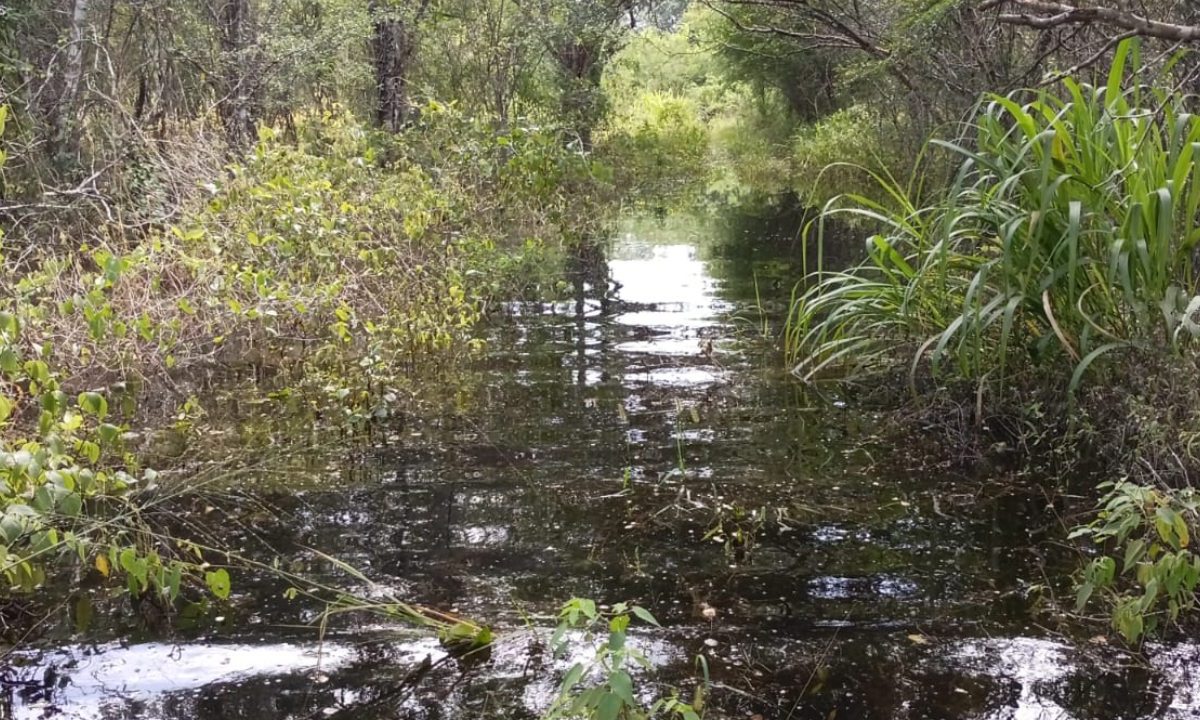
648 450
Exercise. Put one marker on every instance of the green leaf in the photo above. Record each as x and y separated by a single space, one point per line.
10 364
619 623
1080 531
616 641
128 560
70 504
90 450
12 527
558 639
218 583
573 677
38 370
42 501
1133 553
1129 624
621 684
1181 530
644 615
108 433
9 325
609 707
1116 73
1083 595
54 402
94 404
1164 523
173 580
43 541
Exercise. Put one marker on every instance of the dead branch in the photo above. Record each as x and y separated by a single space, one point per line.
1047 15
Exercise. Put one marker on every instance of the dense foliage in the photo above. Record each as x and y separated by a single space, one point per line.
1068 233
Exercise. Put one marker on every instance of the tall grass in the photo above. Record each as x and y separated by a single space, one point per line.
1069 232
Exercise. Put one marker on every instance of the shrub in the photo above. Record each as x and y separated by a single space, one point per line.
657 147
834 155
73 501
351 263
1154 577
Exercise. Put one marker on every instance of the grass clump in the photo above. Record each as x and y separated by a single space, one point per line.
1068 233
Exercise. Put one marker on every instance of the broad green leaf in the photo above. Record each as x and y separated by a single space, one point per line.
622 685
70 504
644 615
588 608
1181 530
1133 553
1083 595
609 707
572 677
108 433
218 583
94 404
10 363
128 560
616 641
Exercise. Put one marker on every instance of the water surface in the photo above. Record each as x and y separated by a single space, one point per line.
646 449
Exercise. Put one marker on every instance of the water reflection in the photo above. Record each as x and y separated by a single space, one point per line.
847 673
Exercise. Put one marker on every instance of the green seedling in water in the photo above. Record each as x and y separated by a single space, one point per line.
603 688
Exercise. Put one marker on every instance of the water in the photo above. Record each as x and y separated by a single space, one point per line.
647 450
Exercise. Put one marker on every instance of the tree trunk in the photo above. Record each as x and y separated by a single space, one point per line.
63 119
238 106
581 65
392 46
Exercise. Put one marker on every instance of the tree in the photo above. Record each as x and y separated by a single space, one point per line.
582 37
241 83
64 114
393 43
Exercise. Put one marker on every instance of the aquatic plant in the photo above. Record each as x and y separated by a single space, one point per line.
1068 234
458 635
602 688
72 500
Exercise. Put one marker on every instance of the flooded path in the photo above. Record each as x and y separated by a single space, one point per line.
647 449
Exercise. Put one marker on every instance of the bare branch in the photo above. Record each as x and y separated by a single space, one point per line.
1046 15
